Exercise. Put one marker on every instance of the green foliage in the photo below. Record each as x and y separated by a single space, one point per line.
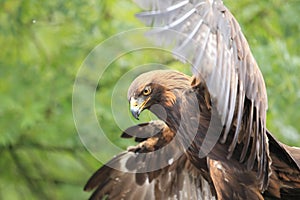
45 42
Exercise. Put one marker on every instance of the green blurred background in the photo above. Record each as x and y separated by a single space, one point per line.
43 44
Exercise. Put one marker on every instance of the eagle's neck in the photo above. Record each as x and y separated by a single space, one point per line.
173 117
173 110
188 117
170 115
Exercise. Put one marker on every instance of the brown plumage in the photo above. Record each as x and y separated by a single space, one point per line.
179 179
228 178
217 118
231 177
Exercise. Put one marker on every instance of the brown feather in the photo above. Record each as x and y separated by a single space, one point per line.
174 181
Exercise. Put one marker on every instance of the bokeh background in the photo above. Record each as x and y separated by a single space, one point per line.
43 44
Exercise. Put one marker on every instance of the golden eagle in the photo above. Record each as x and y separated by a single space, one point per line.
213 123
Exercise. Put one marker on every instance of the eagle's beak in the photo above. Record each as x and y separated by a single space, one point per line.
137 106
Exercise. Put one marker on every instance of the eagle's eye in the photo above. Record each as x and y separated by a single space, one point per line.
147 91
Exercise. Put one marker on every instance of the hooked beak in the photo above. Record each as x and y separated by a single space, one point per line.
137 106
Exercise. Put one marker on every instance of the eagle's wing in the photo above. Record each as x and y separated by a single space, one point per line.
211 39
285 176
179 179
232 182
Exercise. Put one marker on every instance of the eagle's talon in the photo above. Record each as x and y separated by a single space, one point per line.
133 148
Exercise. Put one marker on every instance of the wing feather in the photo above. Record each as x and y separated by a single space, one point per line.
238 126
247 136
119 178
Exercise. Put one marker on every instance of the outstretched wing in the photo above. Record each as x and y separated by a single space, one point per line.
211 39
179 179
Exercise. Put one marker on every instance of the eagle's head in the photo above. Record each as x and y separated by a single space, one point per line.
159 87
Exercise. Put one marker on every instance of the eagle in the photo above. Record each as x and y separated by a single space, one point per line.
211 139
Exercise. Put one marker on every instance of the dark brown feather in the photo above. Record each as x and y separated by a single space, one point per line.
177 180
285 177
